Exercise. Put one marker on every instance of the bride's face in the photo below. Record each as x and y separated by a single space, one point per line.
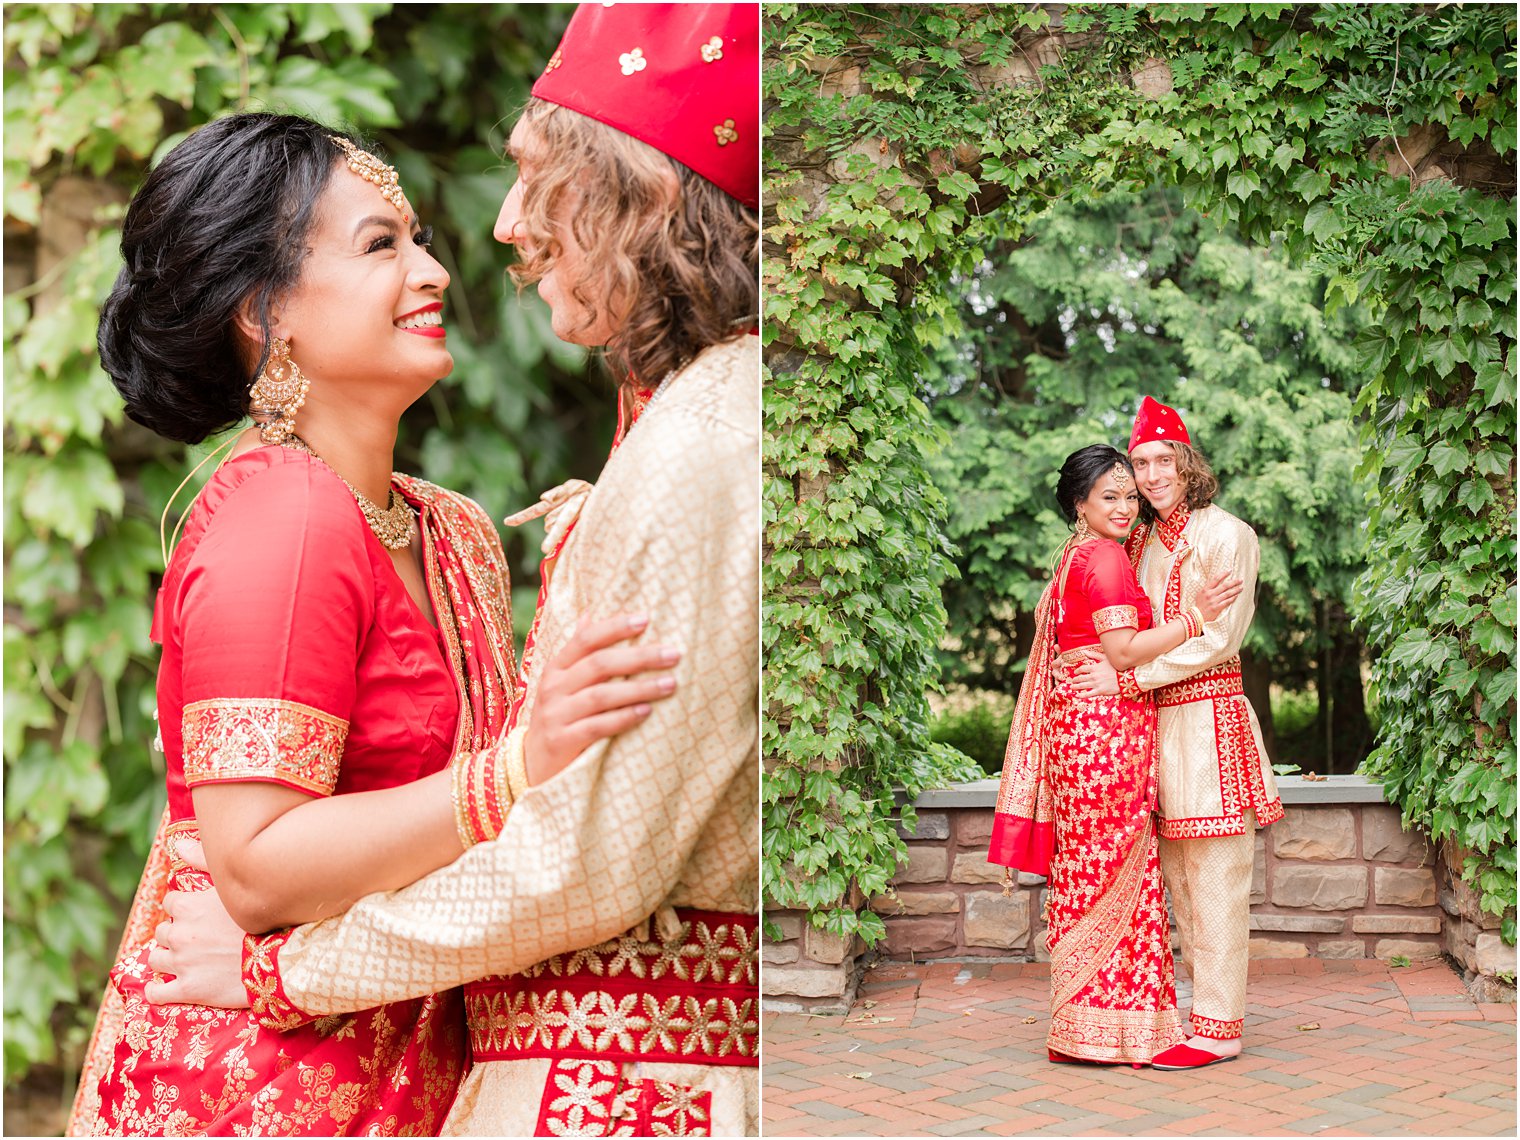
1111 509
366 317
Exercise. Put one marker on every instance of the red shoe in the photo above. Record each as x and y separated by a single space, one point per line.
1063 1059
1186 1057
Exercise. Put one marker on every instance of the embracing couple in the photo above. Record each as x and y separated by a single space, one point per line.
1132 710
485 896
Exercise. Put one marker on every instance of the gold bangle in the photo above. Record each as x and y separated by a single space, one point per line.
459 793
516 770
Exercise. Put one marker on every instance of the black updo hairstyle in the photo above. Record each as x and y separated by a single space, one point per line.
1081 470
221 222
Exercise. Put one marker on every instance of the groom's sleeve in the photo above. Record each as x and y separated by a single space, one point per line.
671 531
1234 549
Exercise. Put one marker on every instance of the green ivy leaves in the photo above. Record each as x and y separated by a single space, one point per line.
1279 123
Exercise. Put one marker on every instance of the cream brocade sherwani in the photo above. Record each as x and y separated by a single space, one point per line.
661 816
1214 774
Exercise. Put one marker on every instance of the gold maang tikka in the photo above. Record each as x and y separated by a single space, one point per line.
1121 477
372 170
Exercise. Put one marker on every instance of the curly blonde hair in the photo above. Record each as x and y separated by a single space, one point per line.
680 273
1196 475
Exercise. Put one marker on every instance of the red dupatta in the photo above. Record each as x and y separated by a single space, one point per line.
1023 825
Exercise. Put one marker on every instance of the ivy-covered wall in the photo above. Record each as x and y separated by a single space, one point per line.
93 95
1374 144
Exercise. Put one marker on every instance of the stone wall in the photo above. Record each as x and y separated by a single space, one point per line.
1471 936
1336 878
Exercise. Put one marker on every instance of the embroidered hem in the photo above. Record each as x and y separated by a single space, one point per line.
1216 1030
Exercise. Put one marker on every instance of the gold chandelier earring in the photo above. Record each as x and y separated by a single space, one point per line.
1082 532
278 393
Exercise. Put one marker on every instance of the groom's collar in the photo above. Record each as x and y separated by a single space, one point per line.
1169 530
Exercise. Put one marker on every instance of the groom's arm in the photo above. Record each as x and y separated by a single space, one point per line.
1233 548
596 849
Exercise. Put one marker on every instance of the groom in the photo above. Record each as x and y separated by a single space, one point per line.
603 922
1216 785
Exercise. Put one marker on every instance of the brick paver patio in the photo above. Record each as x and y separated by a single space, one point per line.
1333 1048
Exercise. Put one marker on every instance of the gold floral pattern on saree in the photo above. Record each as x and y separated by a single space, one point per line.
593 1098
1113 995
248 738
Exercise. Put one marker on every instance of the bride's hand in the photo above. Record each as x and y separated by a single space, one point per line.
200 947
592 689
1216 597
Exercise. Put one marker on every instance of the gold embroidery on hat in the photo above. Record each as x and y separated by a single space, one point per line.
631 61
726 133
373 171
555 61
712 50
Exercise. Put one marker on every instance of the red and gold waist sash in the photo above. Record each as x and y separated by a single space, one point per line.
1222 680
693 999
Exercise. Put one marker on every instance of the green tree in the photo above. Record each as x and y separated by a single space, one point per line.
93 95
1375 143
1096 305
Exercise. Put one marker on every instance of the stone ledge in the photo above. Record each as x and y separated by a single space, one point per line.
1293 789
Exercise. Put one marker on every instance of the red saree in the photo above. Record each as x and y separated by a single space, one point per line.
1080 776
292 653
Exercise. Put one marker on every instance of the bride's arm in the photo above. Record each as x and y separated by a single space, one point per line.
1126 648
352 845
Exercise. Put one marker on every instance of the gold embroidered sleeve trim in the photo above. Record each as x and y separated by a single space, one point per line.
261 979
1116 617
1130 687
256 739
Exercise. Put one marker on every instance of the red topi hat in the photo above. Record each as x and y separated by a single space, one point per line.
1156 421
684 78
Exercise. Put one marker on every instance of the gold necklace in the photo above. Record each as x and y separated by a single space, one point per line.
391 525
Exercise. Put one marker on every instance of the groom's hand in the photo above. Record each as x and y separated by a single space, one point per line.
1095 676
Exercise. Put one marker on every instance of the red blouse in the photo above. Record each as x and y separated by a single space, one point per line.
292 653
1099 594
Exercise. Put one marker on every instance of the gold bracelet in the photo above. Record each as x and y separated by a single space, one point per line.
459 790
1197 615
516 773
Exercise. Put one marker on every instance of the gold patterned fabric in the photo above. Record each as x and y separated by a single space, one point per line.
1210 881
245 738
1213 766
1116 617
662 816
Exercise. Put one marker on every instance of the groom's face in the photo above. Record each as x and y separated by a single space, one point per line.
574 319
1156 475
